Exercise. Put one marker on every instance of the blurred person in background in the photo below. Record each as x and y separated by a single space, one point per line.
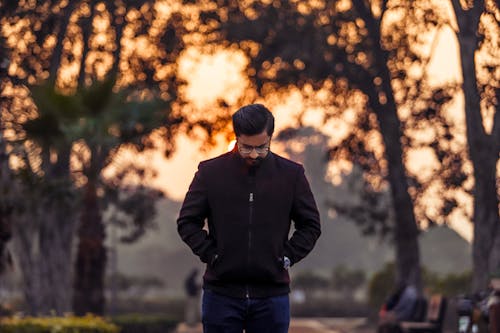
400 306
192 287
249 197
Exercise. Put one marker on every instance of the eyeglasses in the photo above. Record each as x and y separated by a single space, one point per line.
244 149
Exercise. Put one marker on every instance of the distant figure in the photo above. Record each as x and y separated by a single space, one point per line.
192 287
493 306
5 235
399 307
249 198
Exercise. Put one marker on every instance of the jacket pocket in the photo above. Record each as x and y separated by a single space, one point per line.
230 267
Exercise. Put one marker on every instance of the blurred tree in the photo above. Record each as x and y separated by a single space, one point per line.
98 122
7 186
78 117
6 207
449 285
109 122
358 58
369 208
47 208
477 34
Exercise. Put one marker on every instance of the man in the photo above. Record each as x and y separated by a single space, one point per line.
400 306
249 197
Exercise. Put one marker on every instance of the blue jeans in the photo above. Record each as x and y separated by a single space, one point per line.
222 314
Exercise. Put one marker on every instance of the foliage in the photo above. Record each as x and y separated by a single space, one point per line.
142 323
87 324
370 208
380 285
449 285
347 280
309 280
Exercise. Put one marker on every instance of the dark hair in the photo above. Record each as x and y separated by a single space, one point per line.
253 119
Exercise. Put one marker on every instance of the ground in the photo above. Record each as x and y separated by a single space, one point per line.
311 325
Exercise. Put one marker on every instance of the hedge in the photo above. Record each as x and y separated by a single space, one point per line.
141 323
70 324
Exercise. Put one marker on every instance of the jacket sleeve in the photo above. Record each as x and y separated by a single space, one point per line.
194 211
306 219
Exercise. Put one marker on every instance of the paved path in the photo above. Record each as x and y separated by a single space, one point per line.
309 325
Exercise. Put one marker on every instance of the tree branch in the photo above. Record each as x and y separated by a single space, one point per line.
384 7
477 9
363 9
119 22
459 12
468 18
55 62
434 46
372 23
86 32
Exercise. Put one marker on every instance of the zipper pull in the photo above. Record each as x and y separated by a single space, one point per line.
251 197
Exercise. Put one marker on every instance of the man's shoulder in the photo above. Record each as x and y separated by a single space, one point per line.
216 161
283 162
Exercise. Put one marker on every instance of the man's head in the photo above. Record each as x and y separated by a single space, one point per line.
254 126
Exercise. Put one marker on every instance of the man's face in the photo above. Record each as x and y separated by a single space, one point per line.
253 148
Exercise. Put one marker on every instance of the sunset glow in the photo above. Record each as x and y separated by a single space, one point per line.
204 81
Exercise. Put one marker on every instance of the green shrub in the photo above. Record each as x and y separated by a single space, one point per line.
380 285
140 323
70 324
449 285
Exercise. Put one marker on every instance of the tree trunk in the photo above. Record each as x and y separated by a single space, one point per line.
43 236
406 231
91 257
382 102
55 259
482 148
119 23
56 234
495 133
24 241
86 32
485 218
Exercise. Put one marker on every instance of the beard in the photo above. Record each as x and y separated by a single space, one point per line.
253 162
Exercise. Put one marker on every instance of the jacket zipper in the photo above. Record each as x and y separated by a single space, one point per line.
250 216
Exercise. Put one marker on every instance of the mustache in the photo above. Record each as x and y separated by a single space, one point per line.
254 159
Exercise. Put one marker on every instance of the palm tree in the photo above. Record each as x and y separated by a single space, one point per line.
97 121
45 223
110 121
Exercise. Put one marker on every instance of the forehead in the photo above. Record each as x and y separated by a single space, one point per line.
254 140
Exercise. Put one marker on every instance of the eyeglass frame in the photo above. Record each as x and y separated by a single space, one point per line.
248 149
